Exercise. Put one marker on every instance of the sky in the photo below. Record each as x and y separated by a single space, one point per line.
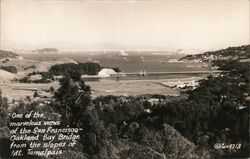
128 24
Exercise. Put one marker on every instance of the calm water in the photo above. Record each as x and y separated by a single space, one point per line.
130 64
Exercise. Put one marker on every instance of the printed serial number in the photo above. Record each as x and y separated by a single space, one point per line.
227 146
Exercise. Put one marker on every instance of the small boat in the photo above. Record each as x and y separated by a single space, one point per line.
143 73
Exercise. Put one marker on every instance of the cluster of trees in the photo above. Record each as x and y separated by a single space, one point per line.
116 69
11 69
4 130
217 109
46 77
88 68
73 70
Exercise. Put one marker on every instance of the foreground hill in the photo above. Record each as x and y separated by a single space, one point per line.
239 52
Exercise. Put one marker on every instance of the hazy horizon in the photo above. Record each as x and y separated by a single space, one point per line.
124 25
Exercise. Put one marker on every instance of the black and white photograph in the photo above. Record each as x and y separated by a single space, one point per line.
124 79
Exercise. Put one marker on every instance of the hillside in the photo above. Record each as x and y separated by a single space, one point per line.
9 55
6 76
239 52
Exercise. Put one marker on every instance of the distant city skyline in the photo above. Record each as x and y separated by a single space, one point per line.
148 25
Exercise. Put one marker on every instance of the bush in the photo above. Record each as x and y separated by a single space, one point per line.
11 69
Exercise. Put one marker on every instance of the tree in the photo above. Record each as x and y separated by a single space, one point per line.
75 75
74 104
51 89
116 69
11 69
4 130
3 111
35 94
66 95
161 144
